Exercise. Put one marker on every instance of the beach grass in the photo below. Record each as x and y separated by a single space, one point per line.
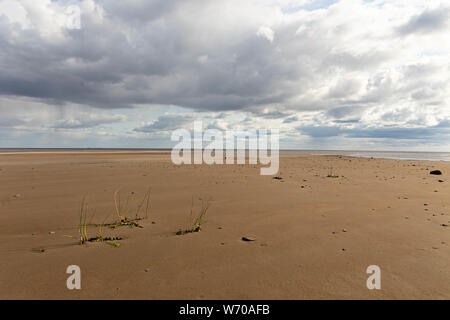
122 212
82 226
195 224
331 174
123 220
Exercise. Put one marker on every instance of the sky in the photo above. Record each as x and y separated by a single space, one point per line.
344 74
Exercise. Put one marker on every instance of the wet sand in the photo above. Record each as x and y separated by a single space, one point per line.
314 235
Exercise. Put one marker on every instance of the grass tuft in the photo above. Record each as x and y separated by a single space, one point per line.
195 225
123 212
82 226
123 219
330 173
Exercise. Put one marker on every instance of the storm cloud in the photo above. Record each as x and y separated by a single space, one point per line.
311 68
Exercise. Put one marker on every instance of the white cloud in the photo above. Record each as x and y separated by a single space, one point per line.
15 12
266 32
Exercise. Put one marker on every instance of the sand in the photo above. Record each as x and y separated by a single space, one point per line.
314 235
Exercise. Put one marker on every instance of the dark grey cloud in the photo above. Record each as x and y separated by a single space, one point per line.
392 133
10 122
87 121
148 52
290 119
272 114
321 131
343 112
427 21
329 70
386 132
166 123
346 121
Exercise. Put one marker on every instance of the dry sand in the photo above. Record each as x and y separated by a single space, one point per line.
393 213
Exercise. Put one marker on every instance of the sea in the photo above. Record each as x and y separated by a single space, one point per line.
398 155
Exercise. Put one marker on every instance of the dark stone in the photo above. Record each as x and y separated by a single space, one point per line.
436 172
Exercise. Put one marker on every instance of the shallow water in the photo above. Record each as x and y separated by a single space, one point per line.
398 155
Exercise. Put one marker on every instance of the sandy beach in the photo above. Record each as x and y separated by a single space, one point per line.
315 230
